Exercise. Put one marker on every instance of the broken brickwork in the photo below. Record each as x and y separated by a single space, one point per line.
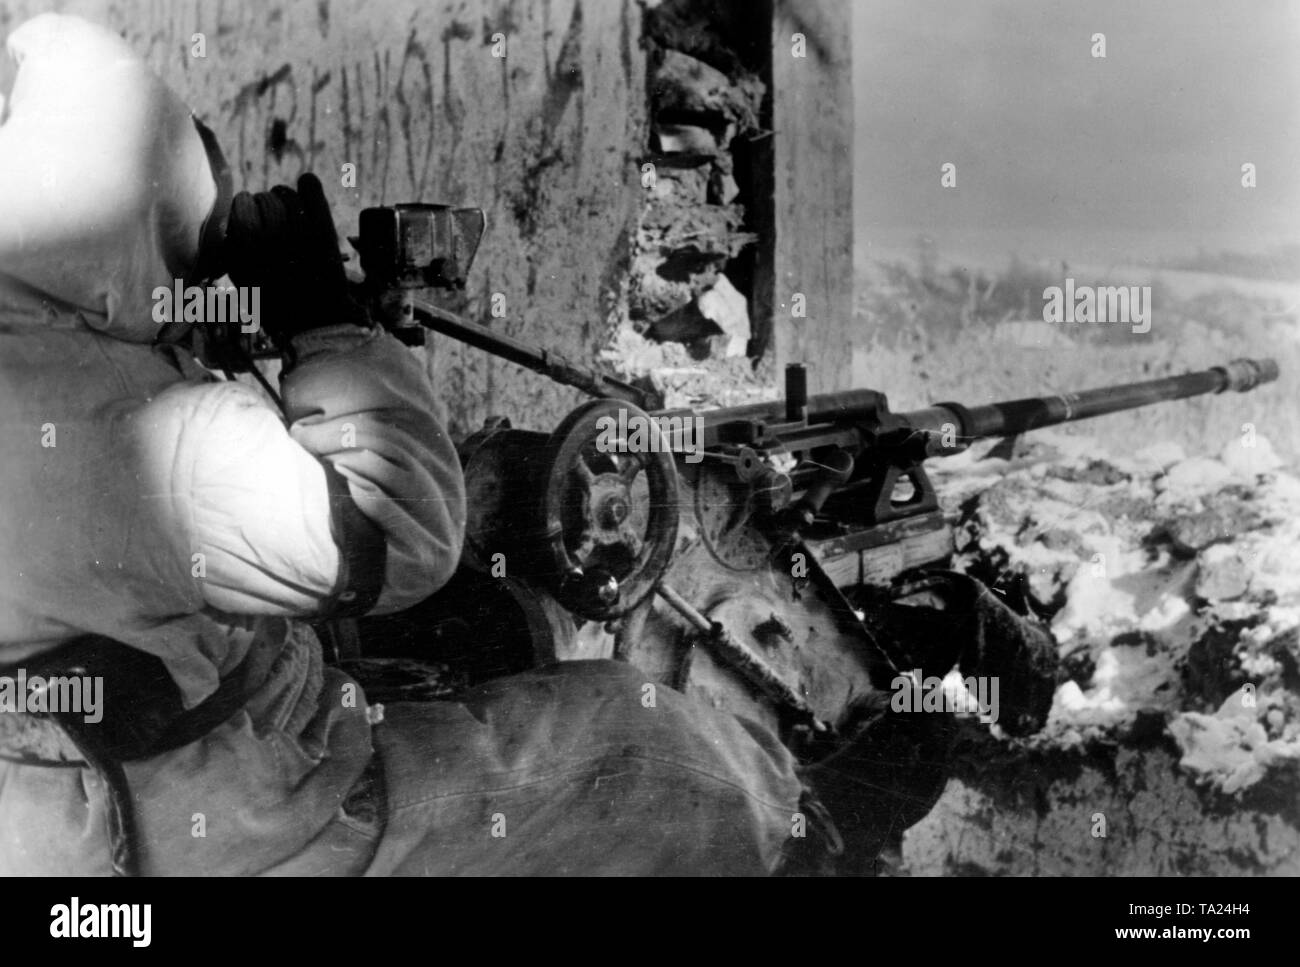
550 139
691 331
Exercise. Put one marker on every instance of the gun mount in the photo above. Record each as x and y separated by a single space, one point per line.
735 551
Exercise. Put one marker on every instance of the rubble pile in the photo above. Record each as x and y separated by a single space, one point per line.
691 276
1172 586
680 381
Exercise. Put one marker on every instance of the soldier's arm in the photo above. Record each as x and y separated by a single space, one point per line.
251 524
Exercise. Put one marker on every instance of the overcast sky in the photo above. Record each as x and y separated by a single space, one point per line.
1045 137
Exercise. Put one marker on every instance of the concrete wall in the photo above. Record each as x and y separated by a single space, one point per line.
546 140
812 117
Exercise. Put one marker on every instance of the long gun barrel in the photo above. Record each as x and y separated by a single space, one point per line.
839 474
856 419
1031 413
409 247
861 418
850 443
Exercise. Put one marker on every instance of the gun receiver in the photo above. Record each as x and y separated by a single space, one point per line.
861 416
739 551
844 472
839 473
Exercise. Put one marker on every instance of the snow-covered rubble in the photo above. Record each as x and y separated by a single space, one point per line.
1172 585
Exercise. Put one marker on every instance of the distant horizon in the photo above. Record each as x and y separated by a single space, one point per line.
1103 246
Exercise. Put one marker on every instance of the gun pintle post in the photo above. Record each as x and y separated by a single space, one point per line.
796 392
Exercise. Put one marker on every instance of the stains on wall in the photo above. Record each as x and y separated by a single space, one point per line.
549 140
546 139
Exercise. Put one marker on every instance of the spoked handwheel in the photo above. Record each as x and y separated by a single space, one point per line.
609 505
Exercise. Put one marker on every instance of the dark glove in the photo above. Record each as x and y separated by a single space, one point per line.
975 630
283 241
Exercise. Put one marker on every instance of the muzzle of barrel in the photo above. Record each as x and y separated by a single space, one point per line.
1243 375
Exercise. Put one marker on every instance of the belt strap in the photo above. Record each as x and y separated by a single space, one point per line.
142 712
143 716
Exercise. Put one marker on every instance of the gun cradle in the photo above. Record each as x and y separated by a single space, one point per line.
726 563
775 598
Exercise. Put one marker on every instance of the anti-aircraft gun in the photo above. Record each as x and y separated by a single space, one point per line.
729 550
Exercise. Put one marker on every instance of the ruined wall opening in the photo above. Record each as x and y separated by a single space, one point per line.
700 285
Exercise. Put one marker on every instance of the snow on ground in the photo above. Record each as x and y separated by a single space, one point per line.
1172 586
